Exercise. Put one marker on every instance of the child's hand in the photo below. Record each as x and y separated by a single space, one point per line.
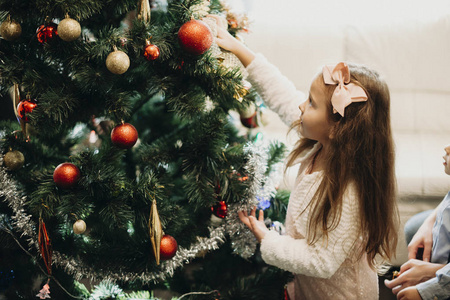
257 226
224 39
410 293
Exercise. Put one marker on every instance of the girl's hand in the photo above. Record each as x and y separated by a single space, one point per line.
409 293
227 42
224 39
257 226
412 272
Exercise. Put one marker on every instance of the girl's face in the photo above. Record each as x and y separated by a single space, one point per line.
314 122
447 159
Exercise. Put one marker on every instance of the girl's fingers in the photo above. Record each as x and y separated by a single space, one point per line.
261 215
220 21
253 212
241 216
253 224
244 218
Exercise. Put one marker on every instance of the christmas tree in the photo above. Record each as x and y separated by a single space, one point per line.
124 171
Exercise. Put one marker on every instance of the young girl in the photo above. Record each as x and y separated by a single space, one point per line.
342 211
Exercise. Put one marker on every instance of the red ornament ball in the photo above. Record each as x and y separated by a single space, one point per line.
124 136
220 209
47 33
151 52
66 175
25 107
195 37
168 247
250 122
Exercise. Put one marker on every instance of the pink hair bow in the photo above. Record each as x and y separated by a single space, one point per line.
345 92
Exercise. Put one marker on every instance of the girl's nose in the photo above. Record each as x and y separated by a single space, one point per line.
447 149
302 107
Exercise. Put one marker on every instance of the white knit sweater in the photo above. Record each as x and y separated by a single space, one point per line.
327 269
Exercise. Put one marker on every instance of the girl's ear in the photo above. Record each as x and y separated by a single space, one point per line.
333 130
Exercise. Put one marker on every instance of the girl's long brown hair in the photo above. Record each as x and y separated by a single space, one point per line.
361 153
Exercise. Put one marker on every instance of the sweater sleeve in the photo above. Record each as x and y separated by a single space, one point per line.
277 91
324 257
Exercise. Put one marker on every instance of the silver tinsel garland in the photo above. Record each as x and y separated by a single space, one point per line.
11 194
243 241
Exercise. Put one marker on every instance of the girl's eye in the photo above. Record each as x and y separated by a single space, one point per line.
309 101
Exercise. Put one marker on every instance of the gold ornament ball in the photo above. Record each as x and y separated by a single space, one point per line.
13 160
79 227
69 29
10 30
118 62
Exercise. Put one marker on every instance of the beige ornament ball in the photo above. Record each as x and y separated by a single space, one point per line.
69 29
118 62
79 227
248 111
10 30
13 160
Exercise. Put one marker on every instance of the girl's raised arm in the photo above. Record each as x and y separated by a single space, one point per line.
277 91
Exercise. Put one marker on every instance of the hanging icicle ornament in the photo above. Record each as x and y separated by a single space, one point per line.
69 29
144 11
45 246
117 62
10 30
13 160
155 231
